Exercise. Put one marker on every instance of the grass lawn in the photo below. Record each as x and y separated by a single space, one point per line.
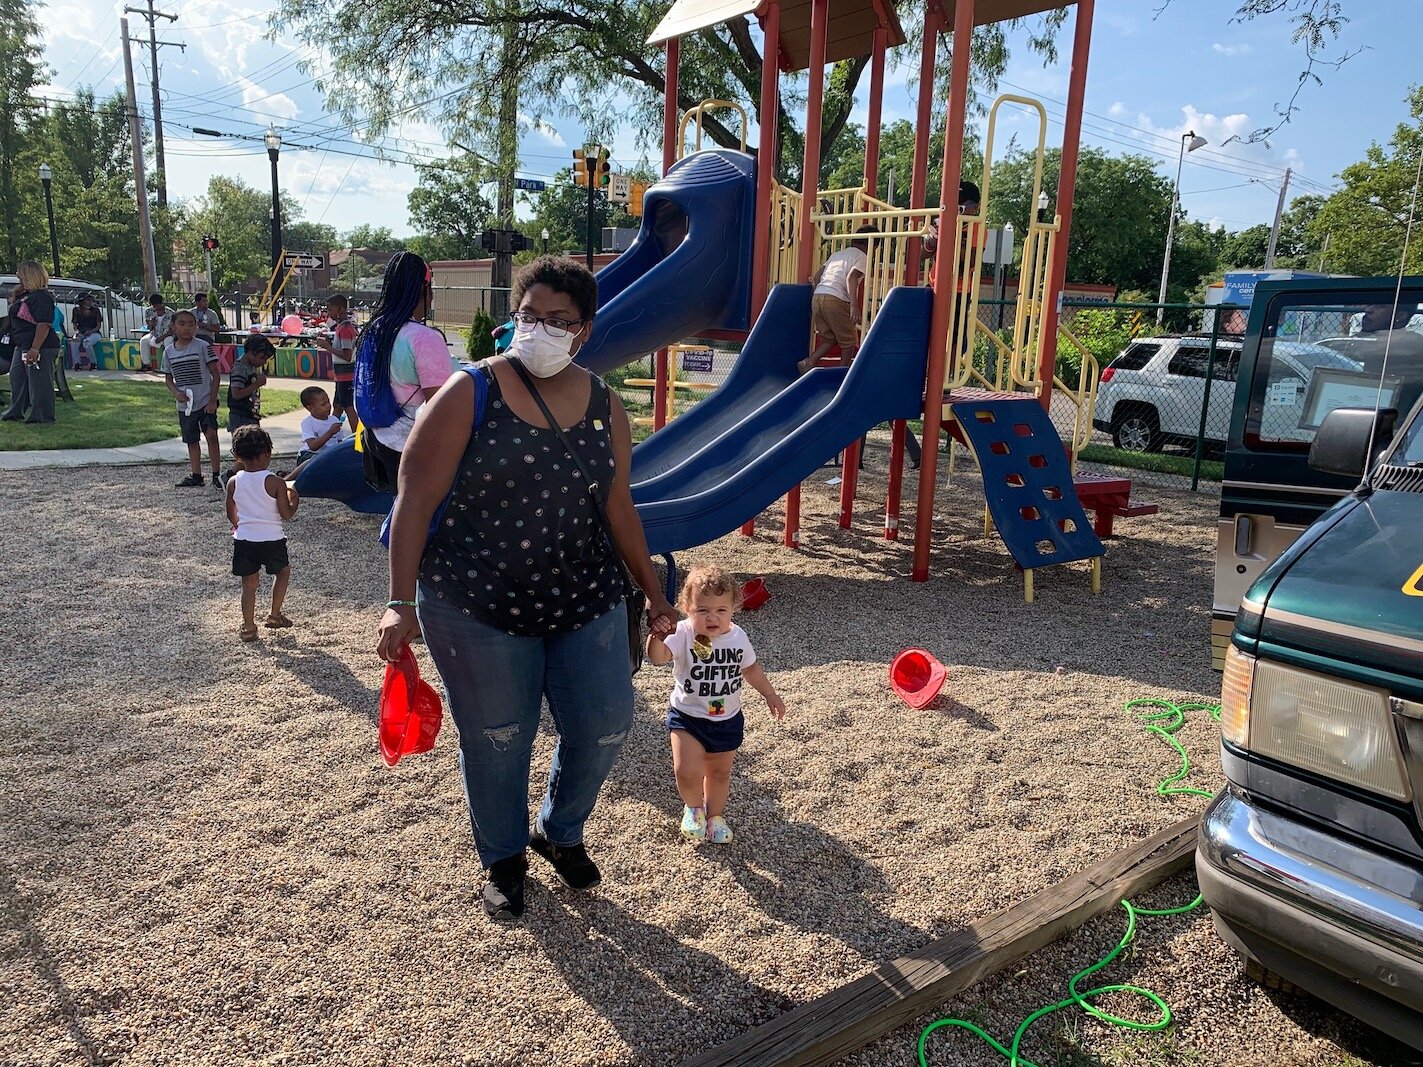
117 414
1212 470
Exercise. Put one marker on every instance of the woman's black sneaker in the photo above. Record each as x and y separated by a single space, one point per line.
504 893
571 863
191 481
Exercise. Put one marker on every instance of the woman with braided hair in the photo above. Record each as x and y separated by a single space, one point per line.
400 364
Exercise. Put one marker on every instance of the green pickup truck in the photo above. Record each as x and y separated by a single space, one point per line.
1311 858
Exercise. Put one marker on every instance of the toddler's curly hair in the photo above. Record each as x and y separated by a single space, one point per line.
250 442
708 581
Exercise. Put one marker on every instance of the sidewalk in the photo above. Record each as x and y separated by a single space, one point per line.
285 431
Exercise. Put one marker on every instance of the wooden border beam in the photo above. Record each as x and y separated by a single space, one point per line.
848 1018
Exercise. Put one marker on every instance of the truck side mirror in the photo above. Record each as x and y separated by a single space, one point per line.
1342 444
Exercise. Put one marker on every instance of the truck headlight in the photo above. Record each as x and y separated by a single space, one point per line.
1235 696
1338 729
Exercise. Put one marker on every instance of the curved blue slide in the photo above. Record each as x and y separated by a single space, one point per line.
689 268
766 431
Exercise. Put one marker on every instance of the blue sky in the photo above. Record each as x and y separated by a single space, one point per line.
1152 76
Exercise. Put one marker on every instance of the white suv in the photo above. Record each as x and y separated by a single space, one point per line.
1152 394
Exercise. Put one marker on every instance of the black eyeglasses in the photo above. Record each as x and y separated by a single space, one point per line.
553 326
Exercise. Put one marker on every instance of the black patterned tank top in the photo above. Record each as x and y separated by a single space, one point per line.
520 547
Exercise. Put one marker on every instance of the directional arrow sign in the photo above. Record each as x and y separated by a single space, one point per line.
530 185
621 191
309 260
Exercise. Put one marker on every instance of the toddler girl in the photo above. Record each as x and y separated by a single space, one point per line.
711 656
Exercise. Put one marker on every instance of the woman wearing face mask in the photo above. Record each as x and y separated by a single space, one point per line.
519 593
400 364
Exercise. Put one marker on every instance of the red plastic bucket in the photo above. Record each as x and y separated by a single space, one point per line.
410 711
754 594
916 676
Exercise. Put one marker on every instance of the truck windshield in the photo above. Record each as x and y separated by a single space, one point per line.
1316 356
1410 449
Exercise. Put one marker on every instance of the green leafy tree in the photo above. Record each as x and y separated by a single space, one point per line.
1245 249
377 238
450 210
1366 222
309 236
479 341
22 70
241 219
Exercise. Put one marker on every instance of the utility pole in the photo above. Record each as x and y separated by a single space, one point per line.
135 130
508 162
152 14
1275 229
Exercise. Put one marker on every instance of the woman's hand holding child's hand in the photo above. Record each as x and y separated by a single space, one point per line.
661 616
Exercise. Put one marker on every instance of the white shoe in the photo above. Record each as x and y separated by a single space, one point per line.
694 823
718 833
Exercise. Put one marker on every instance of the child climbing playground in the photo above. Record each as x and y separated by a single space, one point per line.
836 302
711 657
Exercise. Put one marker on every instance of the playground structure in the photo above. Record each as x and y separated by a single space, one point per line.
727 252
795 230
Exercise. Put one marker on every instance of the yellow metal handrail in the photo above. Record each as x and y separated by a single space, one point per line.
1084 396
785 236
696 114
888 250
1034 277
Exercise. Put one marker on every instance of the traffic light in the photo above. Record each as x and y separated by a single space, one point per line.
600 168
519 242
487 240
210 244
580 167
639 190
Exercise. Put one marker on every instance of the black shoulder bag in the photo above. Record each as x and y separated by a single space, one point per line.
632 593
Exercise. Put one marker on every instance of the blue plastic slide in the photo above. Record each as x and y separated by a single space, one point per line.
336 474
765 431
689 269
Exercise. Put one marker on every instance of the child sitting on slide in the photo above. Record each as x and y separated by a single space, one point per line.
711 656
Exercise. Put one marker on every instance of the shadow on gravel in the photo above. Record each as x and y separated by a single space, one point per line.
16 915
1358 1039
649 985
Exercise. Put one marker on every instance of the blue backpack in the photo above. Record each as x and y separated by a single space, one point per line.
481 395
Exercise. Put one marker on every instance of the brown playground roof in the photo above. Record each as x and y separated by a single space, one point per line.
849 34
852 22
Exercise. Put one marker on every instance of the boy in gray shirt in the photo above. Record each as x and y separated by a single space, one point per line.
191 373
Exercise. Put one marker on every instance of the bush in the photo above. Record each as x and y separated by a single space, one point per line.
1104 332
479 341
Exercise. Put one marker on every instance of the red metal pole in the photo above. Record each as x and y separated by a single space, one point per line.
766 154
945 282
1066 188
809 187
896 480
919 179
671 127
872 126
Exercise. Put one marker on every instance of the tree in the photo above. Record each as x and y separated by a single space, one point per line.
241 219
1366 222
308 236
450 210
1121 207
376 238
393 58
1245 250
562 209
21 72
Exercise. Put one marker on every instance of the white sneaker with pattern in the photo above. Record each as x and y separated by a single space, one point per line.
718 833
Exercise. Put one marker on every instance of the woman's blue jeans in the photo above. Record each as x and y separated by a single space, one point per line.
496 682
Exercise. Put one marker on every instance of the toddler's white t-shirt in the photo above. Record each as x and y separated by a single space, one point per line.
312 427
711 688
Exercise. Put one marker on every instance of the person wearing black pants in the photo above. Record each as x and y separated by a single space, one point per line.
35 346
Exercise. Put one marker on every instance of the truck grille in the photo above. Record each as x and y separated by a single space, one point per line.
1398 479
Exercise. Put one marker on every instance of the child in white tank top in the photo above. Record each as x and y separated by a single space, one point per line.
258 503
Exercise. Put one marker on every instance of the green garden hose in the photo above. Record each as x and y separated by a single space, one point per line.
1163 718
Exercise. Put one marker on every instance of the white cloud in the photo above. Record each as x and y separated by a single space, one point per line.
263 101
1227 136
1240 49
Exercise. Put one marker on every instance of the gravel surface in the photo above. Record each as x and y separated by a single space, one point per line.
203 860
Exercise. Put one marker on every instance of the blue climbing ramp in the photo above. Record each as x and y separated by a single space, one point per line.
1027 481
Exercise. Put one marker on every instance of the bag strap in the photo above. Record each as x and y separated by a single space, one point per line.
588 479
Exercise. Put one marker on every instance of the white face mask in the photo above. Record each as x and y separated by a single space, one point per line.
543 355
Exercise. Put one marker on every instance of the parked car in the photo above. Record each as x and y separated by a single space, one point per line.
123 316
1152 394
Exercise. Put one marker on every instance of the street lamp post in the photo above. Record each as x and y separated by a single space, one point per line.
273 141
1189 143
45 176
1042 205
544 235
